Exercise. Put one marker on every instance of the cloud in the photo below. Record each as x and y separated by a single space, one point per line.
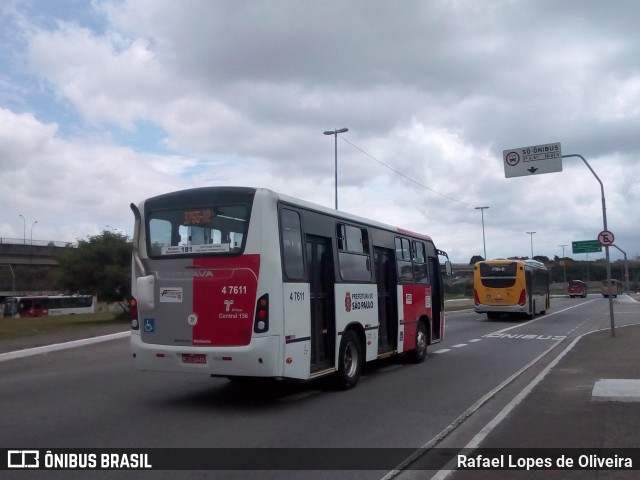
119 100
72 183
96 74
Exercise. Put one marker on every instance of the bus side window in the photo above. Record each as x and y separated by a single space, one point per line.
353 253
420 266
291 234
403 259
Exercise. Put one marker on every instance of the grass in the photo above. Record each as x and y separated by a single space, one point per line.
11 328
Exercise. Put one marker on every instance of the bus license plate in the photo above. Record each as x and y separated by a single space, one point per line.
199 358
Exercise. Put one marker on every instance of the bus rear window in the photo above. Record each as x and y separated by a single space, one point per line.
206 230
498 275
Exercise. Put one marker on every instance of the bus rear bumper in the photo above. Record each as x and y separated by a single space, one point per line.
258 359
501 309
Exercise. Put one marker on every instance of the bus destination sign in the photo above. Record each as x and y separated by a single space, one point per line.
534 160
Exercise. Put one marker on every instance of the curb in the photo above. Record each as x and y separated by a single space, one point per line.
60 346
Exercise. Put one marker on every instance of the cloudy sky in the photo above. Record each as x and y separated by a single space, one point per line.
108 102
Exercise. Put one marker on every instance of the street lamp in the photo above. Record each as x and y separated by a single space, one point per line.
24 229
564 267
531 233
484 244
335 133
32 225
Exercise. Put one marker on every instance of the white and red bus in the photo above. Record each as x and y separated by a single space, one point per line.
245 282
48 305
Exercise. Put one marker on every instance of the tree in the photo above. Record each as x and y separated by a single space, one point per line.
100 266
475 258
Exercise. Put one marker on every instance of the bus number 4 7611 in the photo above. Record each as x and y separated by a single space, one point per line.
234 290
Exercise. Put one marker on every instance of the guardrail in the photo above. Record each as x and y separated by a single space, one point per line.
39 243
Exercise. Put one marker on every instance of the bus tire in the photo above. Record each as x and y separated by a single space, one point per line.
349 360
532 314
420 353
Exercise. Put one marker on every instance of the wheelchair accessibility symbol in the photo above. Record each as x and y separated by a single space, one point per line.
149 325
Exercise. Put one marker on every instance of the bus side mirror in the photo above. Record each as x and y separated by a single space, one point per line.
447 268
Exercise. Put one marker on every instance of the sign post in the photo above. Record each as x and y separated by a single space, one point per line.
547 158
604 231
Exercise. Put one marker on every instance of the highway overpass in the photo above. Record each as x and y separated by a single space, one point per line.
26 267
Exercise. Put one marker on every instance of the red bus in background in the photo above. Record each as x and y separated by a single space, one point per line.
43 305
19 307
577 288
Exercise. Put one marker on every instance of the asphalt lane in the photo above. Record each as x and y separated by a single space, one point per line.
551 406
91 397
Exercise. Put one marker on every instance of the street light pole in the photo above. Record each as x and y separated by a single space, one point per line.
531 233
13 275
484 244
24 229
32 225
564 267
626 269
335 133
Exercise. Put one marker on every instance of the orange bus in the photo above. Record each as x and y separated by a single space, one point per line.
614 288
510 286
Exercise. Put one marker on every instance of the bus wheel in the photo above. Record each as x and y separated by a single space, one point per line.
349 360
420 353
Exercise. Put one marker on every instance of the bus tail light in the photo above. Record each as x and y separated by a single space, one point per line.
133 314
261 322
523 298
476 298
